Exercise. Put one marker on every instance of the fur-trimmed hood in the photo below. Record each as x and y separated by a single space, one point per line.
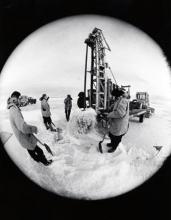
21 129
10 103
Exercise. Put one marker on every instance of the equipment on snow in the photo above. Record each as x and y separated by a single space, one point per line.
158 149
54 125
100 143
45 145
58 133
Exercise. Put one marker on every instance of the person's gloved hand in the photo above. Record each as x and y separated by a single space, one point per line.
34 129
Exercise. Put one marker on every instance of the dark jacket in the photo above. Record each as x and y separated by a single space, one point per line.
81 99
80 102
68 103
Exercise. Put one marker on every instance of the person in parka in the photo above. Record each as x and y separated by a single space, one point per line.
46 114
118 119
81 100
23 131
68 106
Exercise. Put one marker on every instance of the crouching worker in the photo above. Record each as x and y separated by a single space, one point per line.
118 119
23 131
45 109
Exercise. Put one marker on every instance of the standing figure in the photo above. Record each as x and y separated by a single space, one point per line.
81 100
118 119
23 131
45 109
68 106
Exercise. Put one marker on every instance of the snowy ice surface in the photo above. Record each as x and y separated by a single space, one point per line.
79 170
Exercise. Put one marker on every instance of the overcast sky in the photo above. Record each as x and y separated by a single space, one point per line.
52 59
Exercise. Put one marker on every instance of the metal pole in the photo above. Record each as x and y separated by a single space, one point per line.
92 76
97 78
85 77
112 75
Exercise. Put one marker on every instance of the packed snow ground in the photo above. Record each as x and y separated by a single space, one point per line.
79 170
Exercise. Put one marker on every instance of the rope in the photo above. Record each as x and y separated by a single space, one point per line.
105 41
113 75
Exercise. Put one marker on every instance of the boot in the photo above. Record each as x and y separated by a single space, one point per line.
109 144
48 162
51 128
111 150
47 127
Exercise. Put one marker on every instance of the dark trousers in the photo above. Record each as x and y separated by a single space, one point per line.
38 155
115 140
67 113
47 121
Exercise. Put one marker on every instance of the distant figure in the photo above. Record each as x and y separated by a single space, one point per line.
68 106
23 131
81 100
118 119
45 109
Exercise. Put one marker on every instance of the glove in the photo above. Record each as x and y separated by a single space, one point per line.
34 129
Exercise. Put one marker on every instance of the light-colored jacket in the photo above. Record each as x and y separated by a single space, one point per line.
45 108
119 117
21 129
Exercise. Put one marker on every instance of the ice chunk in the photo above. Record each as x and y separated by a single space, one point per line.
82 122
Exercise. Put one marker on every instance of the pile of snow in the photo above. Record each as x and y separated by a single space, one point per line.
82 122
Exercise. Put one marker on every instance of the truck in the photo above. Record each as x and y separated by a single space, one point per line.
140 107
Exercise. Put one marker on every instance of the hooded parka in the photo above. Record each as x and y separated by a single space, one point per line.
68 103
21 129
119 117
45 108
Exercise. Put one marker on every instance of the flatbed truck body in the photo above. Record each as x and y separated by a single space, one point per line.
140 113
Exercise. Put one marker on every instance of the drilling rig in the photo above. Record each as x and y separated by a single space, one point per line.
101 86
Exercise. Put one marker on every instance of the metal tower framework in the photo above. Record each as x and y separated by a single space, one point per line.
99 83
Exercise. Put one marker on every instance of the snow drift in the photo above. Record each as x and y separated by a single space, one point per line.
79 170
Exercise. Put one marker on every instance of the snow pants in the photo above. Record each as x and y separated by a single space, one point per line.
48 122
67 113
38 155
115 140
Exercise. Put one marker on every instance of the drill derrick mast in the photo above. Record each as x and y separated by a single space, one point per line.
100 93
99 83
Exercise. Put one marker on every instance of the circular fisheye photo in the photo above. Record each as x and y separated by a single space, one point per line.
85 107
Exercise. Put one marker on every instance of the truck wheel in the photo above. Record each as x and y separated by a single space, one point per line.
141 118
